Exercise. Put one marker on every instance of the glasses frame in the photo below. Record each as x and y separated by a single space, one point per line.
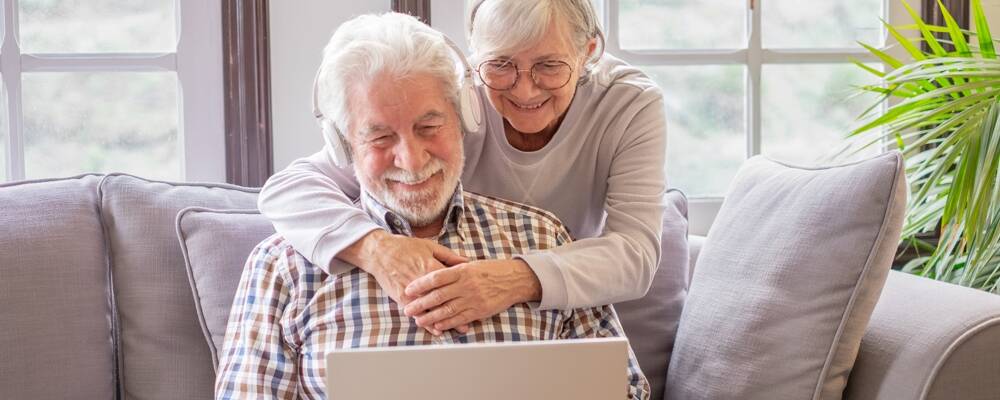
517 74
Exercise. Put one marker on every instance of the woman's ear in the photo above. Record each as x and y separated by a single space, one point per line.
591 47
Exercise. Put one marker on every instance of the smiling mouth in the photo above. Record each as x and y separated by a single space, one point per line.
528 107
415 183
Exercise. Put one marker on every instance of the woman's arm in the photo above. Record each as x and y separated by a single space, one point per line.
311 204
619 264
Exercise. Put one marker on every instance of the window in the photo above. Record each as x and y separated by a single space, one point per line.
111 85
748 77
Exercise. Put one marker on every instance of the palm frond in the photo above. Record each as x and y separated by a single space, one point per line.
947 124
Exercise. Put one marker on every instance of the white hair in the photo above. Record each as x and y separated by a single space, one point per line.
503 27
386 46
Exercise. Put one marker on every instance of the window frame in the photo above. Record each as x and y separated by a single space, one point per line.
197 62
702 209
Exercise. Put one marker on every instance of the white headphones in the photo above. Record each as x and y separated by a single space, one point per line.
470 112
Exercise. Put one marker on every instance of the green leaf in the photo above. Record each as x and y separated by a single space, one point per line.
982 30
925 32
955 32
865 67
885 57
905 42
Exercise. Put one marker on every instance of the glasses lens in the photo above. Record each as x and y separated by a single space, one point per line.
498 74
550 75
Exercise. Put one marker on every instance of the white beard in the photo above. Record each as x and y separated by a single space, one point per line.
419 208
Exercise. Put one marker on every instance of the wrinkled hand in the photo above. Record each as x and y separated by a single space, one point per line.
454 297
395 260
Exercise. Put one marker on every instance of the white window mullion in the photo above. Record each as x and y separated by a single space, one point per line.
611 42
98 62
10 65
199 72
817 56
754 67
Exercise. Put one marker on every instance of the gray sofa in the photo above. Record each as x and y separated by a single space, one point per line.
95 303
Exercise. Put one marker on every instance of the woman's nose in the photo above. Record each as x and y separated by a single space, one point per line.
524 86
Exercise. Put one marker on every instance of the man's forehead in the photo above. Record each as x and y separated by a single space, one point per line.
394 103
373 125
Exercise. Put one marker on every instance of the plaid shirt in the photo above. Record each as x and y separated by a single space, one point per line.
288 313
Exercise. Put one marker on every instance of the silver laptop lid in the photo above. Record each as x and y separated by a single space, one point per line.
556 369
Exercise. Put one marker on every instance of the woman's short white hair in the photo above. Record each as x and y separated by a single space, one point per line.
385 46
503 27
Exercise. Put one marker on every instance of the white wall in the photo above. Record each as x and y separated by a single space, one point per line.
448 16
299 29
992 10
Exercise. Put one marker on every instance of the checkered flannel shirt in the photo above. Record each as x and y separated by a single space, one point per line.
288 313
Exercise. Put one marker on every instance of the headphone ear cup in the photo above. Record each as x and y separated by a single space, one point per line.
338 145
470 107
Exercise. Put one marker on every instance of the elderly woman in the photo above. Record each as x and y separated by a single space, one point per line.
570 130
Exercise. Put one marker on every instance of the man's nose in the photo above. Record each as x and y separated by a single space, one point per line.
411 155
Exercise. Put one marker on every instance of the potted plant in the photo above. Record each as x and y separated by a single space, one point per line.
944 119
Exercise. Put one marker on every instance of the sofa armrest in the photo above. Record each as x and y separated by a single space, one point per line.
929 340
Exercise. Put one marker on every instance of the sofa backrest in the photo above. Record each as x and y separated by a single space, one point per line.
55 309
162 351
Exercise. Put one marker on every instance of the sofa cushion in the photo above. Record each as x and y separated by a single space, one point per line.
55 308
162 348
650 322
787 280
214 271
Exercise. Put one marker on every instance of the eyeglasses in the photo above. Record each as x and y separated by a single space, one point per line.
503 74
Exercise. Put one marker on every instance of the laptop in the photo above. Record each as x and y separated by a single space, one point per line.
580 369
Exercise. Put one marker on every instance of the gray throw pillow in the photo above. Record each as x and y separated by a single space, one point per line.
787 280
161 351
216 244
650 322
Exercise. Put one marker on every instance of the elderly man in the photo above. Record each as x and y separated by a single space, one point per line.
404 136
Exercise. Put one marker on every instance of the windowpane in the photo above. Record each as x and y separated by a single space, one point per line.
705 125
824 24
97 26
101 122
682 24
808 110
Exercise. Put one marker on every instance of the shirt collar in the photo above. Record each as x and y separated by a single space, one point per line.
396 224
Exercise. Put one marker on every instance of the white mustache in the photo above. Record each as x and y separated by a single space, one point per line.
433 166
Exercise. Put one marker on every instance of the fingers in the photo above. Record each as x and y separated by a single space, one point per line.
446 256
431 281
440 313
457 321
428 301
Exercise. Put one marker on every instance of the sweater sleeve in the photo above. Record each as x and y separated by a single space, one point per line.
310 204
619 264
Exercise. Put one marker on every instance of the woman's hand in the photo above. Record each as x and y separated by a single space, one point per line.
453 297
395 260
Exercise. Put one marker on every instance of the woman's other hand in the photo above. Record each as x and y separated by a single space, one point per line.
454 297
